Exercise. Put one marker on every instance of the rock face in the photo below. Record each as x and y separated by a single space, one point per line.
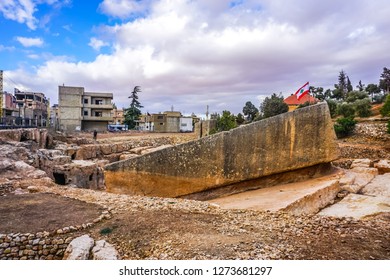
85 248
104 251
79 248
40 136
18 167
282 143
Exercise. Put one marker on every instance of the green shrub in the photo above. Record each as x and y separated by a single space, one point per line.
346 110
332 107
363 107
344 126
106 231
385 110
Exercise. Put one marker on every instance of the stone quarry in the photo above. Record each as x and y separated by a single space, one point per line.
283 175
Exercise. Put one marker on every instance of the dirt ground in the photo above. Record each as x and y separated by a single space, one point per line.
43 212
155 228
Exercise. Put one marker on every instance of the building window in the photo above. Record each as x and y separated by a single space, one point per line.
161 123
98 114
160 117
85 113
85 100
99 102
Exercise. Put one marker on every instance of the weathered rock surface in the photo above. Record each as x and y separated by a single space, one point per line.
85 248
383 166
40 136
18 167
271 146
379 186
358 206
79 248
104 251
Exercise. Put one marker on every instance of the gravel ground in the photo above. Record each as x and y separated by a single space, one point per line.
158 228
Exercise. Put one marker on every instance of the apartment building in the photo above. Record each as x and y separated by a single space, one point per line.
31 108
118 116
169 121
81 110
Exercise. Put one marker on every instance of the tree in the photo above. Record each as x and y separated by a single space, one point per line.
240 119
385 110
384 82
349 85
273 106
372 89
250 111
225 122
341 88
346 109
360 86
332 107
363 107
344 126
133 112
318 92
352 96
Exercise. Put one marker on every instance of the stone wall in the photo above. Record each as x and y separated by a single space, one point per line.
286 142
42 245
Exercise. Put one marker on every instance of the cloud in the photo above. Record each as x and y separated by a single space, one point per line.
22 11
97 44
122 8
5 48
190 54
30 42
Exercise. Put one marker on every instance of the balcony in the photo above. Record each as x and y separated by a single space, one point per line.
98 106
98 119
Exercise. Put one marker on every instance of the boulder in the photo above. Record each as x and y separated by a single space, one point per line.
355 179
383 166
379 186
104 251
79 248
361 163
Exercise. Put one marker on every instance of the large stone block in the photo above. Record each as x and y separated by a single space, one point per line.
286 142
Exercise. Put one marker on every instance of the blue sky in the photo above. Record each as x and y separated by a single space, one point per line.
190 54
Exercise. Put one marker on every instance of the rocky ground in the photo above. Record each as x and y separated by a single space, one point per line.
157 228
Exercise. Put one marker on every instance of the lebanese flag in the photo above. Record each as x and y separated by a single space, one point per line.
303 90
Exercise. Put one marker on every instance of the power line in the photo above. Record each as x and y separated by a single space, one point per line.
9 79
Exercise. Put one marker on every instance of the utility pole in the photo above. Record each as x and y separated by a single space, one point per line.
1 95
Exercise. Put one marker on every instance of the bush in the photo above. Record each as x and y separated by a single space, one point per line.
332 107
346 110
344 126
385 111
363 107
356 95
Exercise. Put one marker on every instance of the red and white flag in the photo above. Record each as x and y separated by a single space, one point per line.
302 91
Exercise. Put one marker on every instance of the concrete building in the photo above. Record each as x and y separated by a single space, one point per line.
81 110
118 116
169 121
9 111
32 108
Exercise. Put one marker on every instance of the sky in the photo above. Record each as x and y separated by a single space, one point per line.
190 54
